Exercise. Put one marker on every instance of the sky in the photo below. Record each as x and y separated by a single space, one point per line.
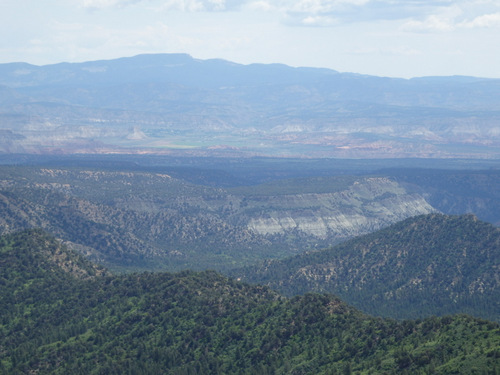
393 38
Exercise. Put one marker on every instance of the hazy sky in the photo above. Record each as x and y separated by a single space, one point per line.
398 38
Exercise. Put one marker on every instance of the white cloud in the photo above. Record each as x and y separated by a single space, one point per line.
102 4
315 20
453 18
322 6
179 5
419 15
487 20
264 6
430 24
194 5
422 14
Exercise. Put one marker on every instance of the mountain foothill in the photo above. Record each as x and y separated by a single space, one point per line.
62 314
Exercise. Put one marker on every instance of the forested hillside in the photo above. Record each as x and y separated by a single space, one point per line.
137 219
427 265
59 314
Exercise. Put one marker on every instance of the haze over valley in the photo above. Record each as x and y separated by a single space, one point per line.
176 105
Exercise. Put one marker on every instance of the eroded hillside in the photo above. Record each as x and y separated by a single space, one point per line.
362 205
145 219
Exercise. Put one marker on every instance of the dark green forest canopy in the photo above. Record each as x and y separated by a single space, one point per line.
427 265
60 314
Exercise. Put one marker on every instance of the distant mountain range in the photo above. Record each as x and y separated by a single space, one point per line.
174 104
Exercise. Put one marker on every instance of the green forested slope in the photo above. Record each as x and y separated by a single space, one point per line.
427 265
126 219
61 315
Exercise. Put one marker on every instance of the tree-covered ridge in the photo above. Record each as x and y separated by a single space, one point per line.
35 254
427 265
52 322
142 219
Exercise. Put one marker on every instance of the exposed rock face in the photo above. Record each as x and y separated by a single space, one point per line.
367 205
